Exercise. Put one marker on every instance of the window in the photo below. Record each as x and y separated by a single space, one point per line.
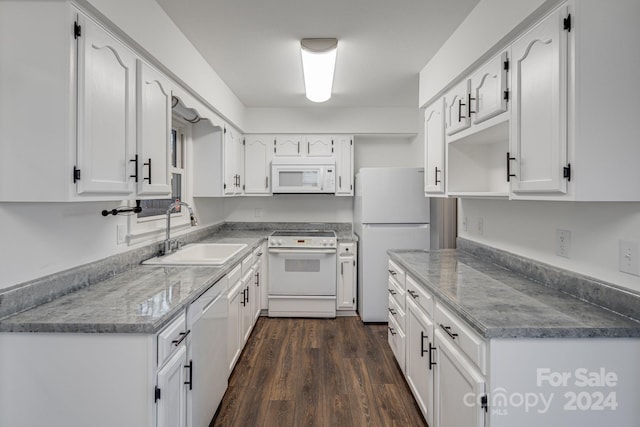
150 223
151 208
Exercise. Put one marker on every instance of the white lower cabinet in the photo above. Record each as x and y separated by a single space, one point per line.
420 358
459 388
171 391
346 285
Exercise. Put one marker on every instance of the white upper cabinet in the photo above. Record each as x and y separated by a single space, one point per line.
318 145
106 113
258 151
288 146
489 89
538 155
87 121
343 145
457 107
154 132
434 171
233 161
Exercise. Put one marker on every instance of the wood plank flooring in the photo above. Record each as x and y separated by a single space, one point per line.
317 372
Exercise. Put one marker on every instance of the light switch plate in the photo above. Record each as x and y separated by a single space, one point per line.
563 243
122 234
629 257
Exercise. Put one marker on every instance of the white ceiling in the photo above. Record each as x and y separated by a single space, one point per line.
383 44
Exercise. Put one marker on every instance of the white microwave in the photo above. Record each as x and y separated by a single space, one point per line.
303 176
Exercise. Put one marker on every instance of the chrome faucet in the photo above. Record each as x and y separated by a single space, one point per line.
173 245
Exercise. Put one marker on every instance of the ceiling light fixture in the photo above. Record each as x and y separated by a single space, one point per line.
318 65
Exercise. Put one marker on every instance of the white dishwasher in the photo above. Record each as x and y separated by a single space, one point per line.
207 355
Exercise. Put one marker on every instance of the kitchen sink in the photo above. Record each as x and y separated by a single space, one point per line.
199 254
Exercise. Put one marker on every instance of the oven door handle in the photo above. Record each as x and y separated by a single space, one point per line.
305 250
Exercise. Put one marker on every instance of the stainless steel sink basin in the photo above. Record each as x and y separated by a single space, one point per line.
199 254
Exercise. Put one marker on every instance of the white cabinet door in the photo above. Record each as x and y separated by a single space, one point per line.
457 107
344 164
539 112
288 146
346 294
458 388
154 132
106 113
234 344
434 148
246 321
257 164
233 157
489 89
419 357
172 403
318 145
256 291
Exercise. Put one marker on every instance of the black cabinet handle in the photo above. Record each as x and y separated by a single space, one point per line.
183 335
447 329
392 292
414 295
149 177
392 311
469 99
393 273
460 104
509 174
431 362
266 182
190 368
340 182
422 350
437 172
298 147
135 163
393 331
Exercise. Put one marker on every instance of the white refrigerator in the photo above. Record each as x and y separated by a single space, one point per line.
390 212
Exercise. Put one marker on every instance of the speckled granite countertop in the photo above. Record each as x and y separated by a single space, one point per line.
141 300
499 303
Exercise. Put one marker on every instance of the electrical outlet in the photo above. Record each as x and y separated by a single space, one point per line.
121 230
464 224
629 257
480 226
563 243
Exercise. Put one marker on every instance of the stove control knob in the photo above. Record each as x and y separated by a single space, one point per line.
324 243
280 242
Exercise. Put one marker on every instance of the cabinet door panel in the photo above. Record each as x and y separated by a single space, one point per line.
288 146
234 338
154 132
458 388
172 403
419 371
319 146
344 165
539 133
488 86
434 148
106 113
257 160
457 108
232 157
346 280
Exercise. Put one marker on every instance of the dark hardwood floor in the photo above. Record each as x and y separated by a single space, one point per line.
317 372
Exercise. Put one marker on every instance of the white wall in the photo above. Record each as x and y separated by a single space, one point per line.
528 228
332 120
289 208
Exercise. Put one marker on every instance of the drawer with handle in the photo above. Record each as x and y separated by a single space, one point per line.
396 338
396 292
459 334
398 314
397 273
419 295
172 337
